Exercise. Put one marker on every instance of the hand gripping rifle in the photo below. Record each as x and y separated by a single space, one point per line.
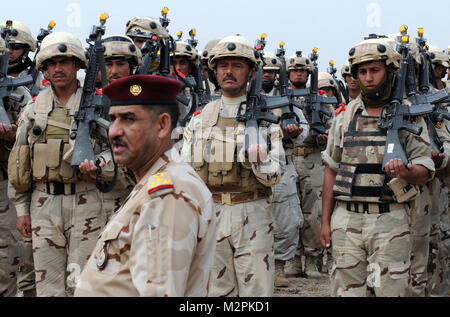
332 71
315 103
424 97
7 84
396 116
257 106
91 106
289 116
34 89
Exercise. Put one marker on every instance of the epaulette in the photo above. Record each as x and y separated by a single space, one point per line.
99 92
34 98
198 112
46 83
159 181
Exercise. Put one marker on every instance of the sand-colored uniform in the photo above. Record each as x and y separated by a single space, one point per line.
213 143
370 230
66 208
12 244
162 240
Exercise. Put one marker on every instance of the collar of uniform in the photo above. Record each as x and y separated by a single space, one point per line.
68 106
233 101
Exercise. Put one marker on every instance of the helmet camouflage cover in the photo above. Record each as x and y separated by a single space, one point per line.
145 27
23 35
60 44
121 46
271 61
298 62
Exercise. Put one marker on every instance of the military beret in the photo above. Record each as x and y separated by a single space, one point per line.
144 90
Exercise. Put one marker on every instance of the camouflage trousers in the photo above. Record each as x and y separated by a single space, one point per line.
438 264
244 260
288 217
370 250
420 231
311 171
65 231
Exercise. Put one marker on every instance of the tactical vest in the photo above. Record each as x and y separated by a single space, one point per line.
214 154
360 177
50 143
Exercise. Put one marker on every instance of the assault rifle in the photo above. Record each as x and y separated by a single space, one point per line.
288 116
43 33
7 84
424 96
396 115
315 103
91 104
342 90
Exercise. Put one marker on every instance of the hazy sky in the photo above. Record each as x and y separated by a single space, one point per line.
331 25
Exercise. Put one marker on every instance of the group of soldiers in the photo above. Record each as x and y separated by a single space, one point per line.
196 208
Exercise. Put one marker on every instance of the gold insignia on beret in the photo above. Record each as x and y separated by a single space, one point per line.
136 90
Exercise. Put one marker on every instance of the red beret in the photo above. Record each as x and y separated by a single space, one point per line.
143 90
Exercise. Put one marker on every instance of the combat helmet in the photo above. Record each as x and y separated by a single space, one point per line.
3 48
326 80
207 50
373 50
298 61
271 61
345 70
22 36
121 46
60 44
184 49
145 27
234 46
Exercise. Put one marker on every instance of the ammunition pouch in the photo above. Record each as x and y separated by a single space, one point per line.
19 168
403 191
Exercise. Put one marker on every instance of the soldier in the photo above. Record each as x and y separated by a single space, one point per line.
12 245
288 217
244 259
310 169
21 44
57 205
208 73
162 240
270 71
440 64
328 84
143 29
352 84
370 228
186 58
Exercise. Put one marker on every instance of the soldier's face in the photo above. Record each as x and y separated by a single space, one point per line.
139 41
116 69
183 66
371 74
352 83
329 91
298 76
269 75
61 71
134 135
438 70
14 54
233 75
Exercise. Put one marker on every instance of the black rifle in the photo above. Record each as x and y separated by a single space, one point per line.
332 71
315 103
288 117
7 84
43 33
396 115
424 96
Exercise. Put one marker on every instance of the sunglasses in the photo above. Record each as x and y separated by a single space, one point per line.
17 46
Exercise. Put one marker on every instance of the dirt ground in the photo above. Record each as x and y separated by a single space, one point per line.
305 287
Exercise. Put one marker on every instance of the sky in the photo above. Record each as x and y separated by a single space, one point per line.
334 27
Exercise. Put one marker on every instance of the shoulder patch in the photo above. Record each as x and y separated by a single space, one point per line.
276 135
158 182
198 112
440 125
340 109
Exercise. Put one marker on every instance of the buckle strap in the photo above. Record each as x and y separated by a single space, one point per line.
369 208
237 198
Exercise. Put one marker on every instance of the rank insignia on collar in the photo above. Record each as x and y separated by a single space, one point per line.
157 182
102 258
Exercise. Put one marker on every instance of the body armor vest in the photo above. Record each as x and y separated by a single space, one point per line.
214 156
360 176
50 144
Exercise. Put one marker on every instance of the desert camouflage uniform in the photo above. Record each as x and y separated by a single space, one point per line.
162 240
64 226
244 259
370 249
12 244
310 169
